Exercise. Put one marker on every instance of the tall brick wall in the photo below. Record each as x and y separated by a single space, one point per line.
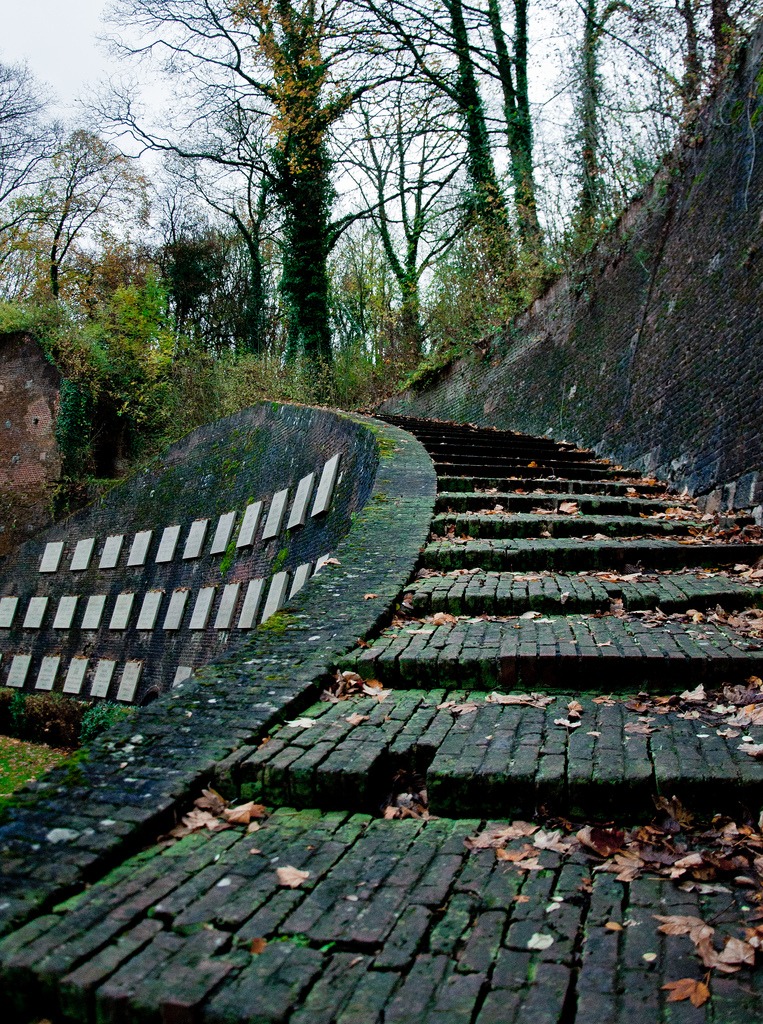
216 470
30 463
651 349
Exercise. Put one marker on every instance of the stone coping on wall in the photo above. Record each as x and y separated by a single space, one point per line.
63 832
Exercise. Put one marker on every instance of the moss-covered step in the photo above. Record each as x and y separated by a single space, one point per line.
525 524
478 756
520 482
508 593
588 652
578 553
589 504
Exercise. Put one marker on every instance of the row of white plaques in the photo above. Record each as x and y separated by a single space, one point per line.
101 678
121 612
197 533
128 684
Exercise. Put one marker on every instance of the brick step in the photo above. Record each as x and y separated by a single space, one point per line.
575 553
402 921
525 524
505 593
490 759
605 653
589 504
437 429
443 448
455 465
538 484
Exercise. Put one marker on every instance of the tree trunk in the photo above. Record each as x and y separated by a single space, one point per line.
487 201
590 175
516 110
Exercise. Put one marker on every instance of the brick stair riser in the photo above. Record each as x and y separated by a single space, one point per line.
522 526
472 484
587 557
601 505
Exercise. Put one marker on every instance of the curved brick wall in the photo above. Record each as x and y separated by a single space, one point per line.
651 349
222 531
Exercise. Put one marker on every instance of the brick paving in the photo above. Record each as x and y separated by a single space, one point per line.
496 716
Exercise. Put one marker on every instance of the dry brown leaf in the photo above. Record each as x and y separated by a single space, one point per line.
257 946
457 709
604 841
639 728
369 597
614 926
684 924
291 877
443 619
695 991
211 801
492 838
243 814
356 719
569 508
533 700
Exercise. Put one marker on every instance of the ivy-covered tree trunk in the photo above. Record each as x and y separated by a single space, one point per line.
588 114
304 193
487 200
516 111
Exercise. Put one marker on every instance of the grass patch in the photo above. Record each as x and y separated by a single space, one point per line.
22 762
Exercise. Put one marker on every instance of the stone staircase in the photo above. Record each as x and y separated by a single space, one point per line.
552 580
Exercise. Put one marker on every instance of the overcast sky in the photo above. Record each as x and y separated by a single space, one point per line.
57 38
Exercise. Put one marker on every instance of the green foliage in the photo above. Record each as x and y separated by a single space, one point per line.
100 717
74 427
55 719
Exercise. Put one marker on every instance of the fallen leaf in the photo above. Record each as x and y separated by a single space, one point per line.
569 508
695 991
257 946
291 877
369 597
356 719
540 941
639 728
604 841
613 926
443 619
301 723
697 695
457 709
684 924
532 700
567 723
492 838
244 813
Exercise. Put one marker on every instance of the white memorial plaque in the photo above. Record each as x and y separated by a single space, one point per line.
275 515
202 608
320 563
182 672
111 551
248 529
276 595
149 609
8 607
35 612
139 549
222 533
51 558
167 544
176 609
47 674
326 487
94 611
251 604
65 612
301 576
128 684
121 614
18 670
195 540
298 515
102 678
227 606
82 554
75 677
